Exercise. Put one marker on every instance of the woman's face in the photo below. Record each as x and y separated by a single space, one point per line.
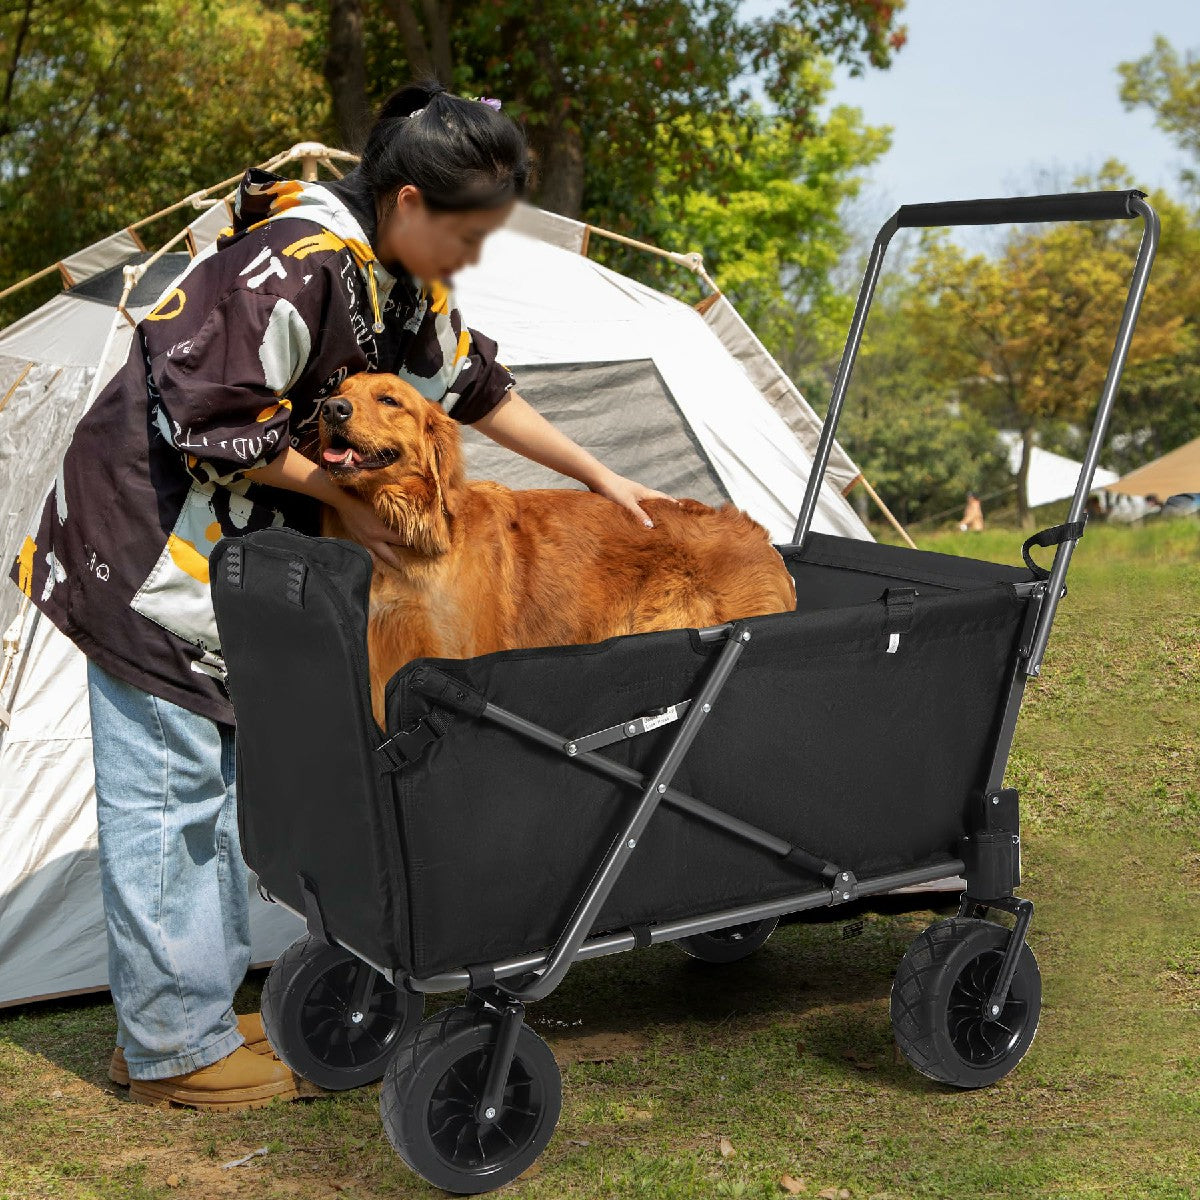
432 245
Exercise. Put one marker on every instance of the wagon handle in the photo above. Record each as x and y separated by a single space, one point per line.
1072 206
1082 206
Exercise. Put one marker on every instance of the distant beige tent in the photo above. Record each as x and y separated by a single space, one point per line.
1178 471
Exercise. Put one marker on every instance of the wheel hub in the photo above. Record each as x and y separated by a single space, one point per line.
983 1034
461 1137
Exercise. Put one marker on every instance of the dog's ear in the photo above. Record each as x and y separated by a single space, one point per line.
445 456
413 508
421 506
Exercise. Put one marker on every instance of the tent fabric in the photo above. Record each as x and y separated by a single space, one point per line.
640 377
1178 471
516 294
780 392
52 932
1051 476
663 452
116 248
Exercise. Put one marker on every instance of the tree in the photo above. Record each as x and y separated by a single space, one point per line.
902 420
113 108
1027 335
594 85
1170 87
767 220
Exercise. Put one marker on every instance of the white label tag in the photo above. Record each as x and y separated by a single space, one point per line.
893 643
662 719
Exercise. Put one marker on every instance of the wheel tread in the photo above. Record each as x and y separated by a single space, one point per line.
916 990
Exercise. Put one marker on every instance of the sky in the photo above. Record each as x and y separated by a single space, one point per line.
1000 97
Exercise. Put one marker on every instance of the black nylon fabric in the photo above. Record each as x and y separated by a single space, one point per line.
820 737
833 571
481 849
310 797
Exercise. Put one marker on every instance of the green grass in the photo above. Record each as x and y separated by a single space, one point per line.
789 1055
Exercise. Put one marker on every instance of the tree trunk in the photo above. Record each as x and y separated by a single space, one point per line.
346 74
559 150
1023 515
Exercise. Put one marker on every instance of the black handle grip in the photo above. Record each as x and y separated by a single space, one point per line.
1074 206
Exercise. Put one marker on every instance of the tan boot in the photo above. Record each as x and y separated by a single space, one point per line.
242 1079
250 1026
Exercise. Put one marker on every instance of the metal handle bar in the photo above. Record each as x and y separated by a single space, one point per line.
1073 206
1086 206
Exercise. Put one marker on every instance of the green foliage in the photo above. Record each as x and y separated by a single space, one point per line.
766 221
902 422
1170 87
118 108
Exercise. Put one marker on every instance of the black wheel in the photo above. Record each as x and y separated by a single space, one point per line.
938 999
728 945
313 1024
433 1084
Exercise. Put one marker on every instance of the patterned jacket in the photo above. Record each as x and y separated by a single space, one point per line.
228 369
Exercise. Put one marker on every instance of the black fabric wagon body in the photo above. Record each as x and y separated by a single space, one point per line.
869 757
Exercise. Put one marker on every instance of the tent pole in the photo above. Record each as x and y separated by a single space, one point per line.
305 151
693 260
883 508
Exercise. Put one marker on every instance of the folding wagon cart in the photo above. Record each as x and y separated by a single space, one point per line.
529 809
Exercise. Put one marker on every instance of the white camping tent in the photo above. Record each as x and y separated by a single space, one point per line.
1051 476
686 401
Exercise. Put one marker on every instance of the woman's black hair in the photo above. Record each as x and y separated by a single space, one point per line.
461 154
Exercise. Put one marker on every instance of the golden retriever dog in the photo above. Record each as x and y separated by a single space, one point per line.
487 568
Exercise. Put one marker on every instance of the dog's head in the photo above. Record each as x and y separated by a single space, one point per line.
381 439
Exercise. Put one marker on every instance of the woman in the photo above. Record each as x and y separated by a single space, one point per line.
198 438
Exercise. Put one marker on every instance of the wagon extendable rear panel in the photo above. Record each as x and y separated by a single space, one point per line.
527 810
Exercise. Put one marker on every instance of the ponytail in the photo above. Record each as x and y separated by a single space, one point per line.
460 154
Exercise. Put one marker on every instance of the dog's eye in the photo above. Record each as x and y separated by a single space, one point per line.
390 401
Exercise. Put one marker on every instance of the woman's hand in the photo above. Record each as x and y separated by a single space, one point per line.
629 495
363 526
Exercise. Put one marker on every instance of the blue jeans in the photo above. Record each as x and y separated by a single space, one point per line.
175 887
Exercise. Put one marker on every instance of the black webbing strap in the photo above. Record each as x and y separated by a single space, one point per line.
641 936
1071 531
437 686
314 917
296 574
898 609
409 744
897 614
481 975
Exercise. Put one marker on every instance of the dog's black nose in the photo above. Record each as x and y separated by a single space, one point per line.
336 409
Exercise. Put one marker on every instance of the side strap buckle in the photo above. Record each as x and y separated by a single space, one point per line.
408 745
1054 536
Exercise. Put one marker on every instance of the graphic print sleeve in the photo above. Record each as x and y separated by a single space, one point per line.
452 365
222 396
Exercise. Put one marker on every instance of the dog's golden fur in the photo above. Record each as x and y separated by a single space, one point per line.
488 568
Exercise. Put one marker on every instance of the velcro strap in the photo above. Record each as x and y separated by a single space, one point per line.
1057 534
481 975
441 689
409 744
641 936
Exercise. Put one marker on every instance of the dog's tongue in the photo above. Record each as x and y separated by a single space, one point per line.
347 457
